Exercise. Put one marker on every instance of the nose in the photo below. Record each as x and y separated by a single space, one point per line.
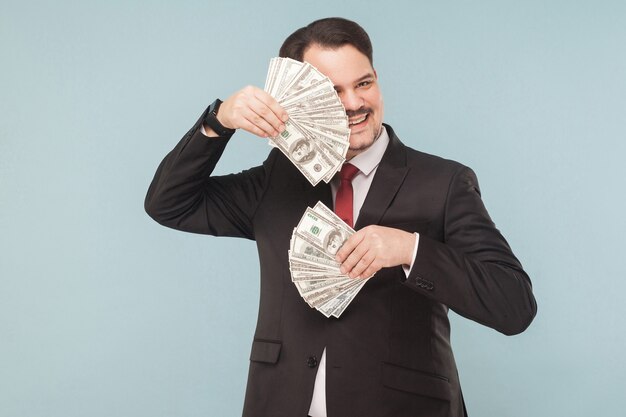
351 100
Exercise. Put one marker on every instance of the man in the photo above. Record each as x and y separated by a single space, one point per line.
421 227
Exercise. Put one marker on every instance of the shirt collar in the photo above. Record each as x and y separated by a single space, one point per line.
369 159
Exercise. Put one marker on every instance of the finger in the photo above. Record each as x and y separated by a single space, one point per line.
255 106
348 246
251 116
354 258
261 112
271 108
362 265
248 126
374 267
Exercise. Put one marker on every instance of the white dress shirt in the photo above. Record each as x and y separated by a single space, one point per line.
367 162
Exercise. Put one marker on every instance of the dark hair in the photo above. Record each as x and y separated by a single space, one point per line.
331 32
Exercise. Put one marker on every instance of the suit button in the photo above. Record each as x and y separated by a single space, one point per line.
312 362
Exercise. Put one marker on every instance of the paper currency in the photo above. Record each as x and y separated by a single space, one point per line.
314 270
317 137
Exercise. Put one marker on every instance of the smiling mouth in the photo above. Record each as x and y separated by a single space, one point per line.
358 120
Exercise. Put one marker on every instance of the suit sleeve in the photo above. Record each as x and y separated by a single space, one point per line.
473 271
184 196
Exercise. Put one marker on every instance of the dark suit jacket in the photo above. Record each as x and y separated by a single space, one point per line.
389 354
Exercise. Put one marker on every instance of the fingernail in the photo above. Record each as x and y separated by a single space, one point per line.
285 117
342 270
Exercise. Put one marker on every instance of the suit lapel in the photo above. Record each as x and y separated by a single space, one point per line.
387 181
299 190
311 195
321 192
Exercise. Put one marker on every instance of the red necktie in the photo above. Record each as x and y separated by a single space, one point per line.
344 198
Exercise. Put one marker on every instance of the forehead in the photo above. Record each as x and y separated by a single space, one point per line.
343 65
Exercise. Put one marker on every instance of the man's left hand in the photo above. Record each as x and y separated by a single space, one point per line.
375 247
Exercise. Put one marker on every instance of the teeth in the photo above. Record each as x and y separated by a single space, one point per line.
357 121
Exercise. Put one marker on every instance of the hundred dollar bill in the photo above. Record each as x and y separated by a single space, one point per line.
332 138
336 306
305 287
281 73
338 144
326 102
310 113
304 277
308 266
271 75
301 245
308 276
306 76
314 109
304 153
313 269
301 269
346 302
330 216
324 234
337 159
307 272
322 97
318 298
306 253
339 132
327 120
308 93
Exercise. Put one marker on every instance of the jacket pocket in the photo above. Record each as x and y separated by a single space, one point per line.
416 382
266 351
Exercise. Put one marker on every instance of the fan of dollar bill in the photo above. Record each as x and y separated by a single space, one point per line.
316 136
314 244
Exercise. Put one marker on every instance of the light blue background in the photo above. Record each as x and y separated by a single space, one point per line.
105 313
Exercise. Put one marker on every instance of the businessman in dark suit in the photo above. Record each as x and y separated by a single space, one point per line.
421 227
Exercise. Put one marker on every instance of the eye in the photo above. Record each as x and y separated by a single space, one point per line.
365 83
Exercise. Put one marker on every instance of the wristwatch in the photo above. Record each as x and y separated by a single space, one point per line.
211 120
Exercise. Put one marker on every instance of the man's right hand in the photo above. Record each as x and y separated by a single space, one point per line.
252 110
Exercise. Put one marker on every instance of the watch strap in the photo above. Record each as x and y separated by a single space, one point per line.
210 119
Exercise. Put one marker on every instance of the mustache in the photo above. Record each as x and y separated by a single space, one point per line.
362 110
